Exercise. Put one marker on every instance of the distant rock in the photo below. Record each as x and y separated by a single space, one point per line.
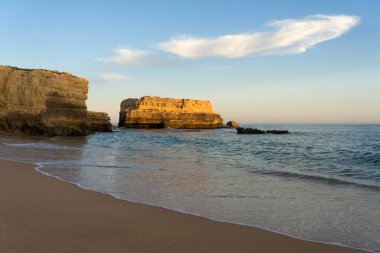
36 101
232 124
241 130
157 112
277 131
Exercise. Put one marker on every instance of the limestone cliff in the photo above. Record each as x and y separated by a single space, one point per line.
35 101
156 112
98 122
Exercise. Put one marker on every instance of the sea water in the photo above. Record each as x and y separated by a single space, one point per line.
319 183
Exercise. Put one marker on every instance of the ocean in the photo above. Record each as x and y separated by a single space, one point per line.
319 183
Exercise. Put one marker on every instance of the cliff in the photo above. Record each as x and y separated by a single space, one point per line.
156 112
35 101
98 122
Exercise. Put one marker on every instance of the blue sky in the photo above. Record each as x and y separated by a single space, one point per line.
257 61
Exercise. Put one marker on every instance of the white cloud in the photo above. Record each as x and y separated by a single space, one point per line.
290 36
113 77
128 56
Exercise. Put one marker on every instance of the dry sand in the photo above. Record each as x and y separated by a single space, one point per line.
42 214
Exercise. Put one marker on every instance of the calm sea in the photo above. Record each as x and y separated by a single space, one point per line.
320 183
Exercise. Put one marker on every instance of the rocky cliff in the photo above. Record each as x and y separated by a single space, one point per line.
98 122
156 112
35 101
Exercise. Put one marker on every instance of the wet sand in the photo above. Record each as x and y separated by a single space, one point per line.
43 214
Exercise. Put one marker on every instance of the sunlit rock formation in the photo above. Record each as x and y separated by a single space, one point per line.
35 101
157 112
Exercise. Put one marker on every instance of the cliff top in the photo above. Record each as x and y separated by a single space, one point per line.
163 98
43 70
166 104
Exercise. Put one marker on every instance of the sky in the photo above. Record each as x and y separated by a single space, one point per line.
289 61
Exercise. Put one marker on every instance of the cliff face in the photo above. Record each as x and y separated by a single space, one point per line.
98 122
43 102
156 112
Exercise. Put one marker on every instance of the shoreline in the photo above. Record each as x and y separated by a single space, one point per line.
40 214
38 166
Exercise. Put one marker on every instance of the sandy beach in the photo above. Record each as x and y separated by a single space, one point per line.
42 214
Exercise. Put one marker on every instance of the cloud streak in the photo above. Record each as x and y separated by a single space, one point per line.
127 56
113 77
290 36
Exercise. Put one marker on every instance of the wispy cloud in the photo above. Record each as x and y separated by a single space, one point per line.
112 77
290 36
127 56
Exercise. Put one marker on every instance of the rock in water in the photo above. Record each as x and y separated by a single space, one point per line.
277 131
241 130
232 124
36 101
157 112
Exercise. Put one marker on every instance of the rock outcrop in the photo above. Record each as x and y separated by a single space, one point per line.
157 112
241 130
98 122
232 124
277 131
35 101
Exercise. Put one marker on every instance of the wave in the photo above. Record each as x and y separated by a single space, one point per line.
41 145
320 178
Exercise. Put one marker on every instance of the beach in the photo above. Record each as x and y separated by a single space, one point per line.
39 213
